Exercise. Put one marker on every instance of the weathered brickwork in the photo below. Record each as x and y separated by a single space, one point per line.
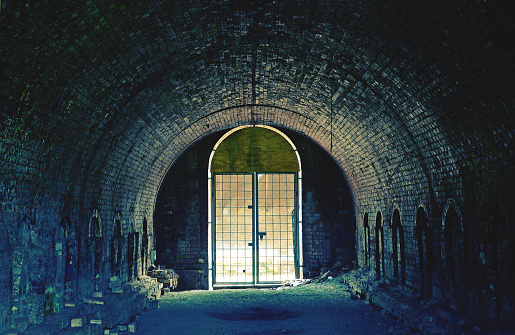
413 101
180 217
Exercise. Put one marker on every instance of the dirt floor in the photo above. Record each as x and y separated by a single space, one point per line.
317 308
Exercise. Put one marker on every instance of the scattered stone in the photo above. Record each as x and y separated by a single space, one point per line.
109 315
167 278
77 322
296 282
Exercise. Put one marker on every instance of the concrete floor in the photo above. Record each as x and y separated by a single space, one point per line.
323 308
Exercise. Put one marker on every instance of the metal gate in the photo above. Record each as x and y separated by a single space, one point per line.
255 231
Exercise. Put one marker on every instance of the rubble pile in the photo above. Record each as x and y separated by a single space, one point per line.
335 271
103 313
168 278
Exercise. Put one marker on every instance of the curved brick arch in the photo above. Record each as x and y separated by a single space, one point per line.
349 155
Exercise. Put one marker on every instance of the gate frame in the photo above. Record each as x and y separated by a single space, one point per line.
210 244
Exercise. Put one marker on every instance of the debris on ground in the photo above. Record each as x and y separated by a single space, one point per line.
422 314
112 311
336 270
167 277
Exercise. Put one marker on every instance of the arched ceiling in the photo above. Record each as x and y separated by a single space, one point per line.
100 97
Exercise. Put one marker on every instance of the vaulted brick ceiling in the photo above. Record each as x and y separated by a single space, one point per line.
99 97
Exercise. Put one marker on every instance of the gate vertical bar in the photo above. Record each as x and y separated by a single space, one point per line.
298 207
255 267
210 231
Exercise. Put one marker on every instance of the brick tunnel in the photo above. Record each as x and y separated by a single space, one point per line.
402 114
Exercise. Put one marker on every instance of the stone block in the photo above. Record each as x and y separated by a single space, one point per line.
76 322
131 328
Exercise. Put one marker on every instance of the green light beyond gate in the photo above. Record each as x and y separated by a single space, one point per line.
254 149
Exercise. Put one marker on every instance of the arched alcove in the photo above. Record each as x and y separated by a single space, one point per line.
117 243
452 253
424 244
379 246
144 247
366 237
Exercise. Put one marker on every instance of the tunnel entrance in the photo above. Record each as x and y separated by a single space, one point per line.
184 218
254 198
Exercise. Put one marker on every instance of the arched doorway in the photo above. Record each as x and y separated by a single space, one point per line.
366 229
380 270
452 253
424 242
255 219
